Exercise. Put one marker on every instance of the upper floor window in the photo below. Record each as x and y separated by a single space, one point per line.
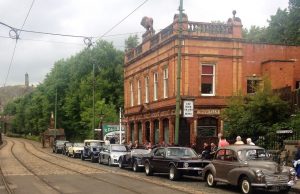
252 84
139 92
155 85
146 89
166 77
297 84
131 94
208 80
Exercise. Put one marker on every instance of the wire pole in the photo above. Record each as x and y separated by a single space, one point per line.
55 110
94 99
177 112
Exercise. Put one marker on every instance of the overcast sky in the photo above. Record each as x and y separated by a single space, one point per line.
36 54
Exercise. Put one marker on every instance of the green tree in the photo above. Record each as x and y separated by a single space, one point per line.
255 115
131 42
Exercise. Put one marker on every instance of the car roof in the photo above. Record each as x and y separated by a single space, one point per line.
93 140
241 147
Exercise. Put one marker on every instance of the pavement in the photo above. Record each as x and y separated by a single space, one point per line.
296 188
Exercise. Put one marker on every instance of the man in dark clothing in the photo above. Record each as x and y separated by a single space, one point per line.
297 162
206 151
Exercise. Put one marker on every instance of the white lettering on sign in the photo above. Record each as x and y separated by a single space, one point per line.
208 111
188 108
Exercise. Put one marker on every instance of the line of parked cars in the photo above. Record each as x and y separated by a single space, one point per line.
248 167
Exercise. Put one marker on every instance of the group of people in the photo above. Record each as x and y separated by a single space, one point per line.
209 150
147 145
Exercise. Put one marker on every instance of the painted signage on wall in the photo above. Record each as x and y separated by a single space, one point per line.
188 108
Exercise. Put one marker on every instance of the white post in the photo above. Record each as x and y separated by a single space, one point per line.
120 126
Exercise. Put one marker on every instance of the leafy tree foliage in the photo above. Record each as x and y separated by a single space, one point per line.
72 80
284 27
255 115
131 42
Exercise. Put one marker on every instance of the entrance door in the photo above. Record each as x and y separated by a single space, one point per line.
147 131
184 132
140 133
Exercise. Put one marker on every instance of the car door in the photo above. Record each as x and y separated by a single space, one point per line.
230 163
218 163
158 159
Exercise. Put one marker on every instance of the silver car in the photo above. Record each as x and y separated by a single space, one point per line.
110 154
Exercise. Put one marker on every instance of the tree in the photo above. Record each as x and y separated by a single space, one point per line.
255 115
131 42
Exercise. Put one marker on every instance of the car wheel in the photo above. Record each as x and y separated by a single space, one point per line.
73 154
148 169
120 163
56 151
82 156
92 159
109 162
174 174
135 167
245 185
210 179
69 154
99 160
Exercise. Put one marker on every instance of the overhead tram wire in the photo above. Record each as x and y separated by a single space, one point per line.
17 35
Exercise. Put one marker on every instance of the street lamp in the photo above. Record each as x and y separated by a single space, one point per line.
101 116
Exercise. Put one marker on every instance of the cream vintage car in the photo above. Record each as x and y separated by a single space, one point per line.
75 150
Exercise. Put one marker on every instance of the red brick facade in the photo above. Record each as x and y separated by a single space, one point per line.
216 64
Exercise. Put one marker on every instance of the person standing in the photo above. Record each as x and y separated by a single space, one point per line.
249 141
296 161
222 142
239 141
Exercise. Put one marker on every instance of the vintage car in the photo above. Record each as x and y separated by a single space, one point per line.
248 167
110 154
65 148
75 150
134 159
58 146
176 161
91 149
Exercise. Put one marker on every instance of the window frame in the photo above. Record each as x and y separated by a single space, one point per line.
213 79
165 82
155 86
139 92
131 94
147 89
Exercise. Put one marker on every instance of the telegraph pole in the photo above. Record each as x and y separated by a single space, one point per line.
94 99
178 74
55 110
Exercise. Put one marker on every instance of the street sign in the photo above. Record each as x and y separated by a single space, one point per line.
111 128
289 131
98 129
188 108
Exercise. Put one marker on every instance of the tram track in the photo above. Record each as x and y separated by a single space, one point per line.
3 178
31 171
78 172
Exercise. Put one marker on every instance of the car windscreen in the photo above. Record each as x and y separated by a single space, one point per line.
181 152
93 144
60 142
140 151
69 144
118 148
78 144
253 154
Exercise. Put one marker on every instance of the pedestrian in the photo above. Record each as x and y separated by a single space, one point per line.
296 161
222 141
129 145
239 141
206 151
249 141
136 144
194 146
213 148
112 140
123 140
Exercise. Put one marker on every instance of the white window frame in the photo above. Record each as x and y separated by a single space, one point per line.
166 79
214 79
139 92
147 89
131 94
155 86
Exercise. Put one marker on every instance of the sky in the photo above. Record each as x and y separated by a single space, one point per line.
36 54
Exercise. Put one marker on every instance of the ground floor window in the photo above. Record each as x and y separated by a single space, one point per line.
207 127
166 130
140 133
132 132
156 131
147 131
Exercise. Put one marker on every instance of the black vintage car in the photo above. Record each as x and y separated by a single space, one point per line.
134 159
176 161
91 149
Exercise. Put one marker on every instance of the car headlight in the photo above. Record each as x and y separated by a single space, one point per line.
292 172
185 165
259 175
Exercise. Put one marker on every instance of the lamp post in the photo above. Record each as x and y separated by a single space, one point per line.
101 116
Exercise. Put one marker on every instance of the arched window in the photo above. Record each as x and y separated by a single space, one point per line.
166 130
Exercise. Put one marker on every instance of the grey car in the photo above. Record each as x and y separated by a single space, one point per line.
249 167
110 154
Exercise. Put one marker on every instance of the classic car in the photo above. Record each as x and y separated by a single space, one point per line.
110 154
91 149
176 161
134 159
249 167
58 146
65 148
75 150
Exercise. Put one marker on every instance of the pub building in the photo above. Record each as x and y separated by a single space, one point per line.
216 63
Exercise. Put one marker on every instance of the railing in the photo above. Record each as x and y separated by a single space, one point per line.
211 28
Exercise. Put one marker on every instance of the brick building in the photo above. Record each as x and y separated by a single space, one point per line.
216 64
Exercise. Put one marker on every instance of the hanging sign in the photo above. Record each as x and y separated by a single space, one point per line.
188 108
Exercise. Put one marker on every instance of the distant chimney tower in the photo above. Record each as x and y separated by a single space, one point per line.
26 80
